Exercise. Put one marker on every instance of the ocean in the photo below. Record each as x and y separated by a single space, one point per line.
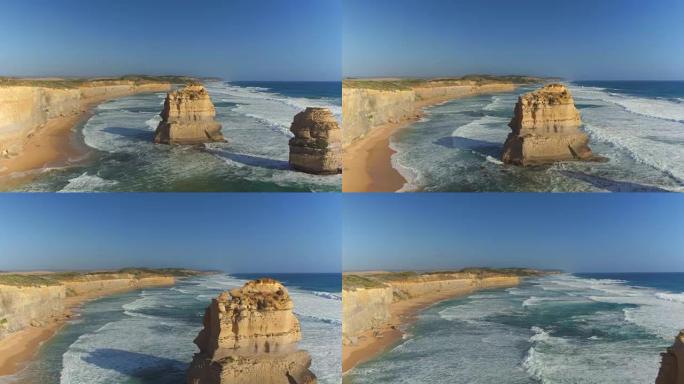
145 337
256 118
637 125
563 329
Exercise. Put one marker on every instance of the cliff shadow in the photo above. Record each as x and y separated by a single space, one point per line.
131 133
255 161
611 185
481 146
145 368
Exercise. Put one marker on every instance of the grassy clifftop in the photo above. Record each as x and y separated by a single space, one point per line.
377 280
103 81
394 84
37 280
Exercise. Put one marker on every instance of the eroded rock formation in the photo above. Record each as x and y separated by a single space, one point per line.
188 118
317 142
672 363
250 336
546 129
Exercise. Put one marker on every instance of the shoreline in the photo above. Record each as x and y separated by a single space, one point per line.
403 314
18 349
368 161
56 144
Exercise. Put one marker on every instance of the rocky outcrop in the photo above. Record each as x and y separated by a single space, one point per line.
24 109
545 129
672 363
188 118
317 142
22 307
364 309
250 336
365 109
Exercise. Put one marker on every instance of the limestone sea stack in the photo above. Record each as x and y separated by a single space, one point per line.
672 363
545 129
250 336
317 142
188 118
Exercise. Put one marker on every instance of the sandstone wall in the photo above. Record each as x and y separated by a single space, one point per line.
364 309
19 306
366 109
672 363
25 109
79 288
411 289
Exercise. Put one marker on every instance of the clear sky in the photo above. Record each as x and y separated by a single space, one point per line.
574 232
578 39
253 232
233 39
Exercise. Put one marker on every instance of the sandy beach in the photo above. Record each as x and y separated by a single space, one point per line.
368 161
19 348
403 314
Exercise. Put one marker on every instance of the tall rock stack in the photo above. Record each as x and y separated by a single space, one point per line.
545 129
250 336
188 118
317 142
672 363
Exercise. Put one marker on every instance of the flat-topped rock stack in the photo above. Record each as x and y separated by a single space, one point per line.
672 363
317 142
545 129
188 118
250 336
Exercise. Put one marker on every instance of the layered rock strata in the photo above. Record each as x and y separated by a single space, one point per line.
545 129
250 336
317 142
672 363
188 118
366 109
25 110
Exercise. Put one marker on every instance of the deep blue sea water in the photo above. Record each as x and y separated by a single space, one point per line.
638 126
256 118
145 337
565 329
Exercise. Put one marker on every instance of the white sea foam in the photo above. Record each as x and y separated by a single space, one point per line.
88 183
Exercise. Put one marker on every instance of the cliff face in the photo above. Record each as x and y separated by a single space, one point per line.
672 363
188 118
21 307
364 309
545 128
316 145
250 336
366 109
26 109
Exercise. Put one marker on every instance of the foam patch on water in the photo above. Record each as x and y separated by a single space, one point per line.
88 183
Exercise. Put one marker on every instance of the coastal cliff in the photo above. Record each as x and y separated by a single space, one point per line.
316 145
188 118
545 129
672 363
369 104
25 306
27 106
250 336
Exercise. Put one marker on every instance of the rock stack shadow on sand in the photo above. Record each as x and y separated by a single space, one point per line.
545 129
188 118
250 336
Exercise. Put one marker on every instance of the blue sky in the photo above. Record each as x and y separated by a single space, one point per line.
253 232
579 39
574 232
236 39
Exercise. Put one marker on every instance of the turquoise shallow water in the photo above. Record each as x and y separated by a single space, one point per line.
564 329
638 126
146 337
256 117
